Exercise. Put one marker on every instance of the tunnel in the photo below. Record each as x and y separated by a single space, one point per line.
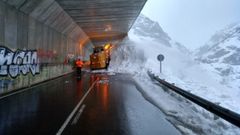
39 39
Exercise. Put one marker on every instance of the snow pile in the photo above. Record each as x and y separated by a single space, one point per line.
189 118
127 58
138 53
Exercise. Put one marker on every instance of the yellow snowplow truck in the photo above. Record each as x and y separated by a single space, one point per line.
100 57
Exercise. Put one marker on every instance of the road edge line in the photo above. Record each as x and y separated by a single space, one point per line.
78 115
26 88
74 110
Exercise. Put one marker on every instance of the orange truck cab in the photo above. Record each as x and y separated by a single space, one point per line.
100 57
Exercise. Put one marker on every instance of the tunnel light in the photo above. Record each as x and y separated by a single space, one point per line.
108 28
107 46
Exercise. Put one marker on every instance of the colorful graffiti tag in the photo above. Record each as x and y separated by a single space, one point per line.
20 61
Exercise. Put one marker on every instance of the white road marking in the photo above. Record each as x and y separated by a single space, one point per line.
74 111
14 93
75 120
31 87
25 89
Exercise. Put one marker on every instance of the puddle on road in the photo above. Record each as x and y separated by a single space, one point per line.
66 81
111 73
103 81
103 72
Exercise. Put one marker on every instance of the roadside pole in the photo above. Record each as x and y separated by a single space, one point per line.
160 58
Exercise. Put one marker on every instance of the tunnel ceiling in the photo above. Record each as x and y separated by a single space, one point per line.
103 19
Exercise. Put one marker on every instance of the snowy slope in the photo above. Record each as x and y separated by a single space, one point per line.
138 53
222 52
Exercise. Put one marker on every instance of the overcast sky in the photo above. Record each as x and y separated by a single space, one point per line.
193 22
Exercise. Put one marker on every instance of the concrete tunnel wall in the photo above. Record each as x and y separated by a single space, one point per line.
37 41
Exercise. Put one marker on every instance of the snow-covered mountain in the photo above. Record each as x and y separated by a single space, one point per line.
138 53
147 28
222 52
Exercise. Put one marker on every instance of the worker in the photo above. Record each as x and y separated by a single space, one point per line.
79 65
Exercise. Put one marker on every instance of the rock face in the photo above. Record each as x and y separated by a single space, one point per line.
222 52
147 28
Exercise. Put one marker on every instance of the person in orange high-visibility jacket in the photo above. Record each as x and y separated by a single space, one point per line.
79 65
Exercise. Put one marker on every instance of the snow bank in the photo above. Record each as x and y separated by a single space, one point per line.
189 118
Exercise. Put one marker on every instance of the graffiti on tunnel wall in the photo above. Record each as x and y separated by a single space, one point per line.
13 63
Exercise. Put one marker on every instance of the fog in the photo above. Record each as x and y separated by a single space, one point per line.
192 22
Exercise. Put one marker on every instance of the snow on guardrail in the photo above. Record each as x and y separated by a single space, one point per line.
224 113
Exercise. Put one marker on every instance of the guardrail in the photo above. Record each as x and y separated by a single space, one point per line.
224 113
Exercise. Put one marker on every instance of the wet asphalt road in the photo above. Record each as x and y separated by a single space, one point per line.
112 106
